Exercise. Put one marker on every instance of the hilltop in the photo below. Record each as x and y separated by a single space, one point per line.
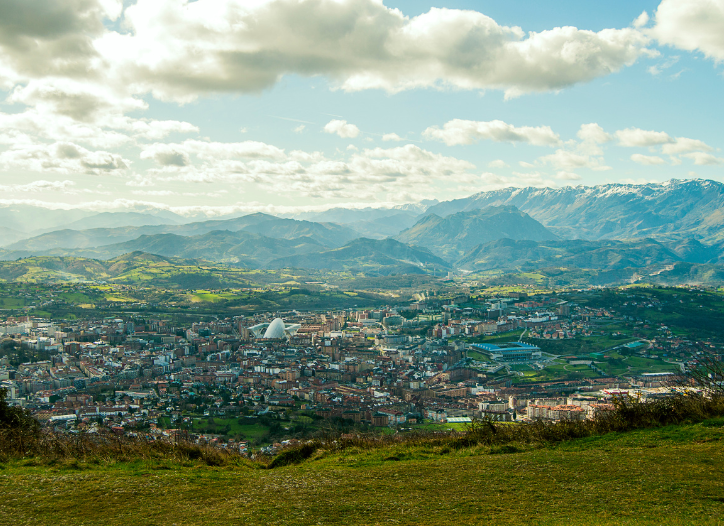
670 475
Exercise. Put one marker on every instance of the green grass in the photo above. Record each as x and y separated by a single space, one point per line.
475 355
432 426
9 302
618 364
672 475
224 426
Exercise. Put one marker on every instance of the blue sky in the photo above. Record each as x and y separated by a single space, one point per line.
282 105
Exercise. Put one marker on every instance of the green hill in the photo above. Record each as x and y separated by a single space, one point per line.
600 255
68 241
452 236
667 476
136 268
371 256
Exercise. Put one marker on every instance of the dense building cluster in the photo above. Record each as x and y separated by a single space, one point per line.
394 366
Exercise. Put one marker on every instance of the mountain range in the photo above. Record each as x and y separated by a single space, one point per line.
605 227
670 210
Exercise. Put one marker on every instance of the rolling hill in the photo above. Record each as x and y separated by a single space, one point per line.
600 255
371 256
453 236
328 234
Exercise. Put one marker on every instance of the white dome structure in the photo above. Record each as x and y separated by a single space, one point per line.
275 330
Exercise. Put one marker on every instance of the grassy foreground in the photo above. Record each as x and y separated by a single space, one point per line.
668 475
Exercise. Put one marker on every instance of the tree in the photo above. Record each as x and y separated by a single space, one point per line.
12 417
707 373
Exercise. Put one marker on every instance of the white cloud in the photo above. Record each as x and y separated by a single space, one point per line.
701 158
365 175
64 158
647 160
593 133
641 20
391 137
82 100
154 192
458 131
693 25
179 49
39 186
498 163
682 144
636 137
592 136
567 176
47 37
299 129
342 128
178 154
662 66
567 160
166 154
536 179
151 129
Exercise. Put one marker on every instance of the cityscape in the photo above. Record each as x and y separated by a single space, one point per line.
437 362
361 262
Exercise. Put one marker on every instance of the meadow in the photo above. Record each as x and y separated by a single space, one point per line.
670 475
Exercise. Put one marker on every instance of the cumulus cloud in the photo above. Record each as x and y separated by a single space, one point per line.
682 145
636 137
641 20
593 133
591 136
567 176
702 158
177 154
363 175
166 155
498 163
647 160
152 129
694 25
63 157
38 186
458 131
49 38
391 137
342 128
179 49
567 160
82 100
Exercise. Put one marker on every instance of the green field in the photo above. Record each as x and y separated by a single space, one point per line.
229 427
670 476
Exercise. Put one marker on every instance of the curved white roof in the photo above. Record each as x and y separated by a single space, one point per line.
275 329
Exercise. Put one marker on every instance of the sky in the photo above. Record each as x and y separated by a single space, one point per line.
224 106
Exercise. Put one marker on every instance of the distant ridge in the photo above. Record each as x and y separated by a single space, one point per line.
674 209
373 256
454 235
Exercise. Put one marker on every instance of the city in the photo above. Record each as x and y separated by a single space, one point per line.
258 382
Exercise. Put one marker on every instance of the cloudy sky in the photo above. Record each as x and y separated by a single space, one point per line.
278 105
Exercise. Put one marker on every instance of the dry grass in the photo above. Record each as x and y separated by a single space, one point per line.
670 475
